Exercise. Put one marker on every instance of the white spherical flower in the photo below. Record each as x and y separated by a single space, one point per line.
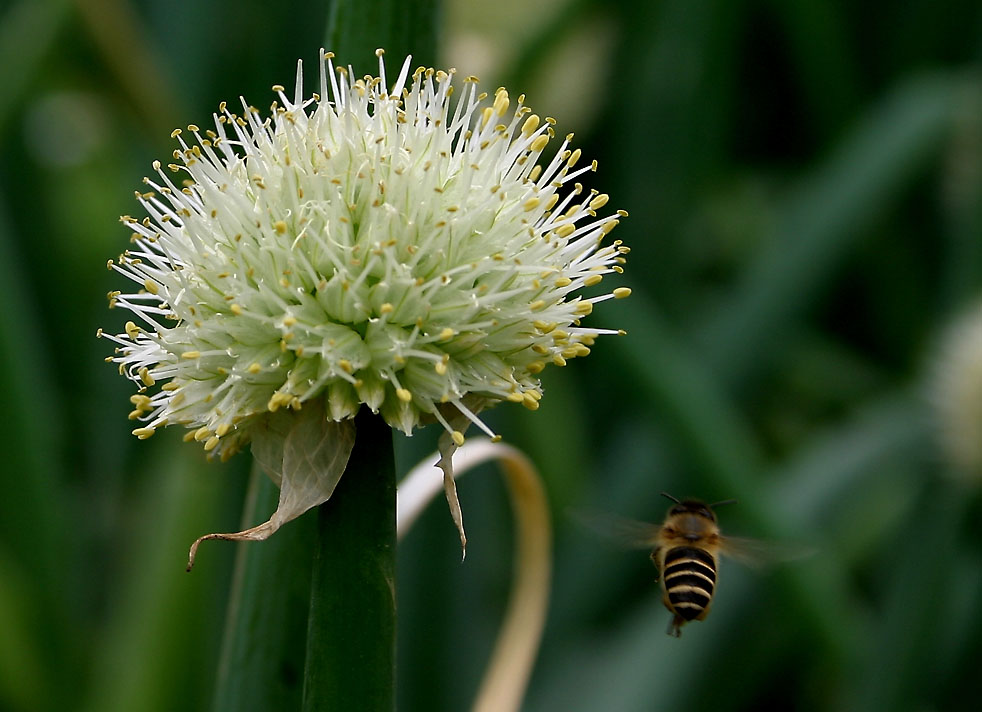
399 247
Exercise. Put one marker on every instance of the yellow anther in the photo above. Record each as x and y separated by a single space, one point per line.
131 330
458 437
171 386
592 280
486 116
583 309
191 354
558 360
211 444
345 365
539 143
134 414
599 201
531 204
621 292
440 367
530 402
146 377
144 433
404 395
150 286
540 349
553 199
536 367
563 281
530 125
254 368
544 327
386 308
222 430
608 226
202 433
501 102
236 309
289 321
516 397
537 304
140 401
447 333
574 157
565 230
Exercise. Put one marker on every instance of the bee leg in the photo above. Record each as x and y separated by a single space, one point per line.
675 626
654 560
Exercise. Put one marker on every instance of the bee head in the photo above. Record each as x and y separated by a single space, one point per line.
695 507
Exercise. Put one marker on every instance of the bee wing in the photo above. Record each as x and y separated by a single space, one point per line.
758 553
625 532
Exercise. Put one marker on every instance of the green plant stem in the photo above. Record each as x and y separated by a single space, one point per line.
355 29
262 655
350 661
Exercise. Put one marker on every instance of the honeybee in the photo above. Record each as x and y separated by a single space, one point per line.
686 554
686 548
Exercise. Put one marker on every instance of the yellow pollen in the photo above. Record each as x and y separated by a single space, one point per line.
386 308
254 368
222 430
202 433
593 279
345 365
530 402
447 333
558 360
145 376
150 286
565 230
501 102
531 204
170 386
458 437
131 330
279 226
516 397
539 143
134 414
440 367
289 321
583 309
530 125
563 281
537 304
236 309
599 201
144 433
535 367
191 354
404 395
574 157
211 444
621 292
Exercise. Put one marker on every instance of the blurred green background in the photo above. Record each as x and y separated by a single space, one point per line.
804 179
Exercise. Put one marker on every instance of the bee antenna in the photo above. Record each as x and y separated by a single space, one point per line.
719 504
668 496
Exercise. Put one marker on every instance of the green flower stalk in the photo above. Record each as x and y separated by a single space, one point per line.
397 246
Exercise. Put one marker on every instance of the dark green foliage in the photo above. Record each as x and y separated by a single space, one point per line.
805 192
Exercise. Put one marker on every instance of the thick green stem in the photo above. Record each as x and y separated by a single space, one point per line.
262 654
350 661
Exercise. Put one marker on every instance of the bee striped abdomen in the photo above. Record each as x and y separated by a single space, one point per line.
689 578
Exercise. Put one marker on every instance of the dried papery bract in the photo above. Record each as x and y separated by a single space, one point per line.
396 246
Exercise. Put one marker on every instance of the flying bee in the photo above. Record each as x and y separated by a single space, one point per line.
686 548
686 554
